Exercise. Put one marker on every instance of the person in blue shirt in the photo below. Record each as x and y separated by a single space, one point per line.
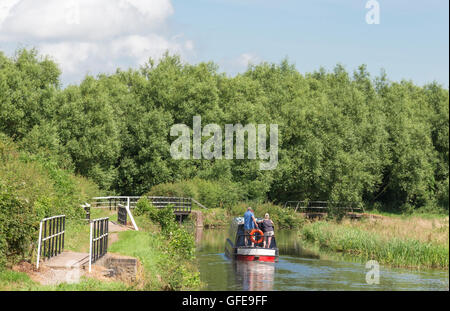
249 223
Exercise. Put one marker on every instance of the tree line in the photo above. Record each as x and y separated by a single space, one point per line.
343 136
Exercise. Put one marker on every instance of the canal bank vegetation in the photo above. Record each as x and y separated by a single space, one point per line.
169 260
163 265
412 242
32 187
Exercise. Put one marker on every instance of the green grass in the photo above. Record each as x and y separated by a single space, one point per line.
20 281
424 215
77 232
12 280
145 246
398 252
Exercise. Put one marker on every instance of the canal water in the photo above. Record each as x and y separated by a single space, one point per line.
300 269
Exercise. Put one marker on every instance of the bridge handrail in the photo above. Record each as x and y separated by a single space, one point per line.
180 204
198 203
322 205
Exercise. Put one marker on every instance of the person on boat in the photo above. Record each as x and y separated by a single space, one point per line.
268 229
249 224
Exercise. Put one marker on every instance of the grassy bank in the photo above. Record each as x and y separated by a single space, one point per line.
165 250
400 242
162 268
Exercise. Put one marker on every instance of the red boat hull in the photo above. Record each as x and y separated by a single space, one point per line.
256 258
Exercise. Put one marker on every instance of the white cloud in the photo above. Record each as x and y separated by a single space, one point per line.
239 63
86 35
246 59
70 54
83 19
140 47
5 8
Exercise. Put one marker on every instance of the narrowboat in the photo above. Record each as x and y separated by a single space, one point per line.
238 245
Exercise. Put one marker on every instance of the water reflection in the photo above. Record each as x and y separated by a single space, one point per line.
198 235
254 275
289 245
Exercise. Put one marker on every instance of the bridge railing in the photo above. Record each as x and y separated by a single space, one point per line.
98 241
181 205
112 202
51 237
322 206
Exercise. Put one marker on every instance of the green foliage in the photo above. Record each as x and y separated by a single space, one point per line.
183 242
28 86
144 206
344 137
216 217
88 130
180 240
166 219
33 187
18 227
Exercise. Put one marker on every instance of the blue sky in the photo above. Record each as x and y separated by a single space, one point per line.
410 42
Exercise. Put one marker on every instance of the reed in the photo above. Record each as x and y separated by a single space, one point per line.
398 250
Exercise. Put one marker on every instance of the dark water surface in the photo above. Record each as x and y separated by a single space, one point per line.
300 269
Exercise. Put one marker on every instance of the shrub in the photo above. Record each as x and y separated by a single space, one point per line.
183 243
179 238
33 187
144 207
18 227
